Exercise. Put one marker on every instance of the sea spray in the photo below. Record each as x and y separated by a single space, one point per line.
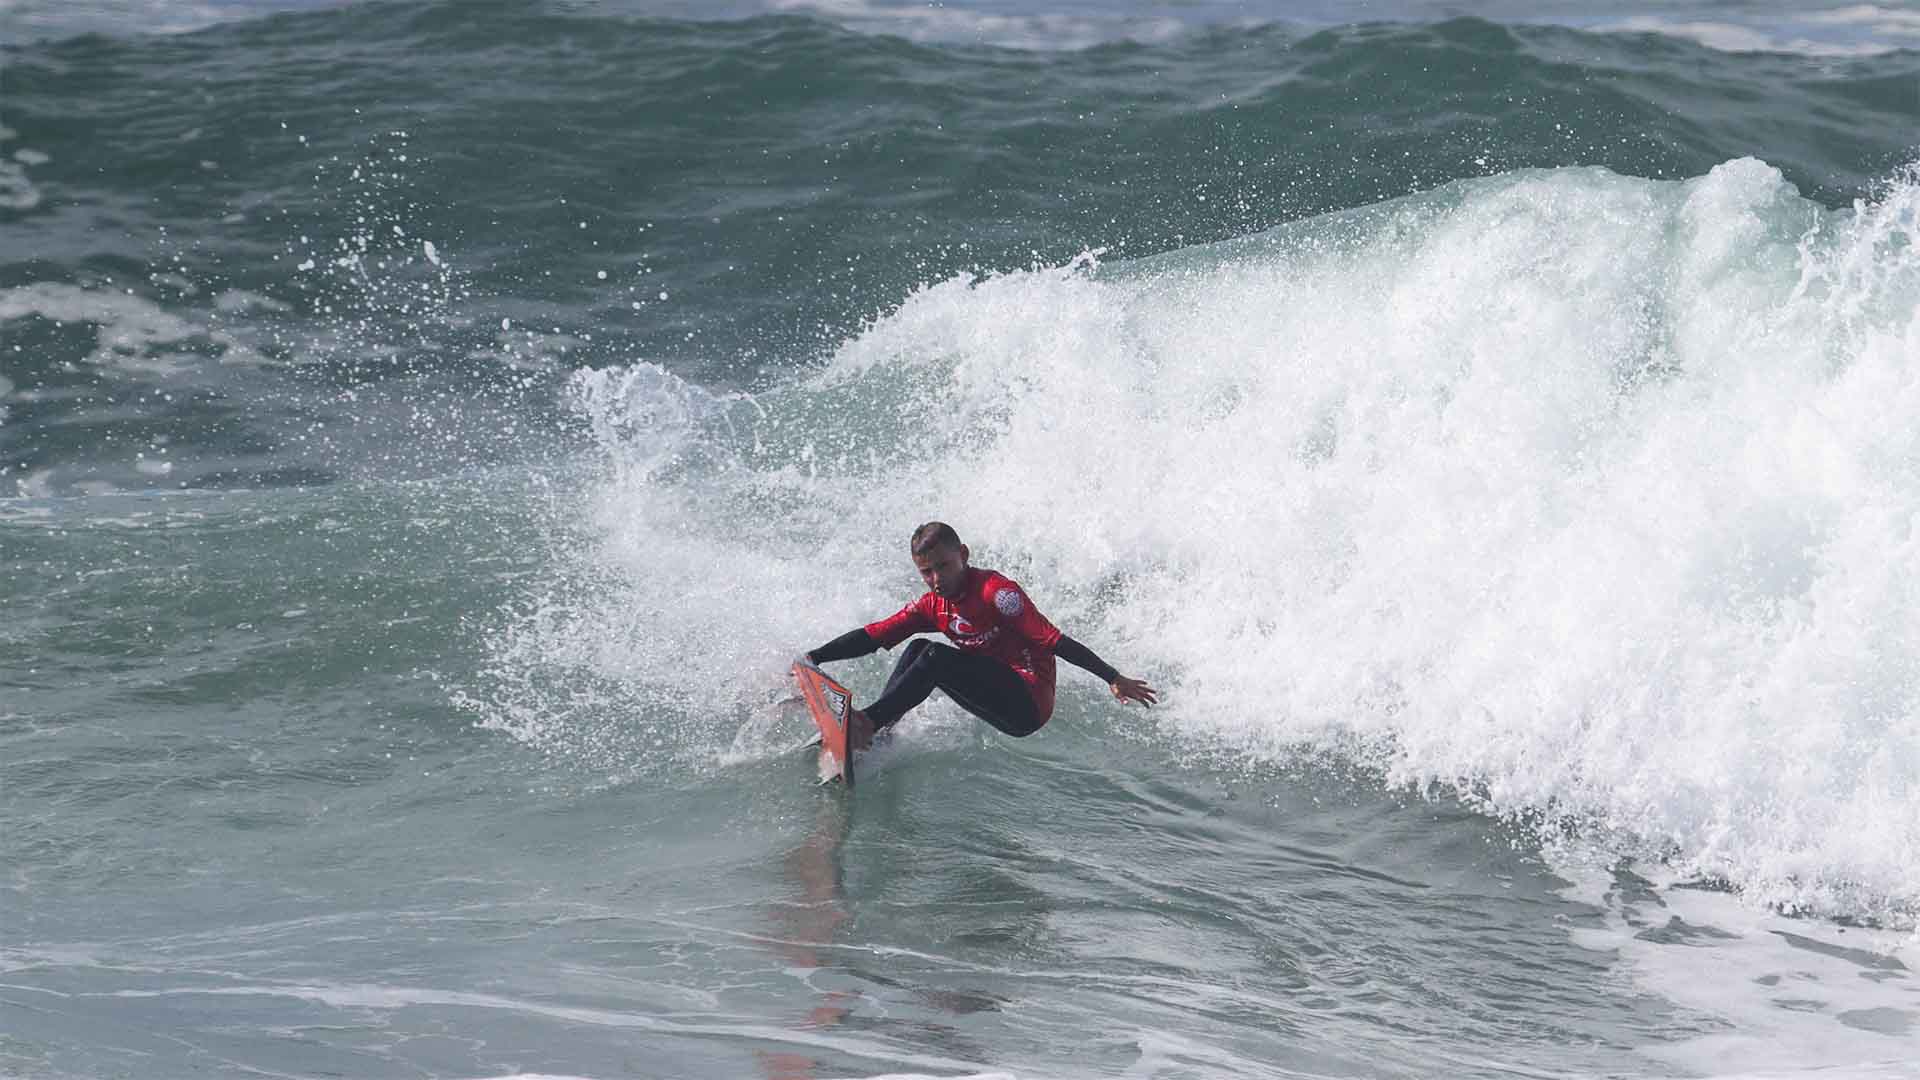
1575 494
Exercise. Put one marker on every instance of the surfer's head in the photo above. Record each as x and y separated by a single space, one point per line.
941 558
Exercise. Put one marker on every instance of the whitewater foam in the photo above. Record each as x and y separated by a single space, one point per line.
132 334
1785 997
1579 495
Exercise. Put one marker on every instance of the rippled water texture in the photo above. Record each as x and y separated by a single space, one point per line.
427 431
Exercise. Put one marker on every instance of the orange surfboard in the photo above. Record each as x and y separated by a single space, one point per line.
829 703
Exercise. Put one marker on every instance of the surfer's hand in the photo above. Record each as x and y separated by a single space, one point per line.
1126 689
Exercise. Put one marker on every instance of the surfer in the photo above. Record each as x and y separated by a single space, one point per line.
1000 666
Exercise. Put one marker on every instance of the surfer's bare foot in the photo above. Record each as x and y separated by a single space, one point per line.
859 731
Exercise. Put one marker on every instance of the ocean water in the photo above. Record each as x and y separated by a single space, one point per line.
427 430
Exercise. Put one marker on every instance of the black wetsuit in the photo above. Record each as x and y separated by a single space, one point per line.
980 684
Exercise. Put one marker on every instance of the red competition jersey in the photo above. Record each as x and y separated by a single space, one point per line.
993 616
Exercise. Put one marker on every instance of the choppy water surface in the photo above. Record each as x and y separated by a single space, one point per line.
426 431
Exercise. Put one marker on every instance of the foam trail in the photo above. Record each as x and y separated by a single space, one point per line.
1788 997
1576 493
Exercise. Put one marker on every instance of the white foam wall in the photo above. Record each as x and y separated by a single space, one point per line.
1580 493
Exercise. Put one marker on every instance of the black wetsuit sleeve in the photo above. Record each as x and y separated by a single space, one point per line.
855 642
1082 657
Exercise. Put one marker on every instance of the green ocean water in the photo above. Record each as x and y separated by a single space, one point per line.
428 430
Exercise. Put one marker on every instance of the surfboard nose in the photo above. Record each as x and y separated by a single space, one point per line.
831 706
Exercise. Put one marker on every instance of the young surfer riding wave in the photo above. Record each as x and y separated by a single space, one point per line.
1000 666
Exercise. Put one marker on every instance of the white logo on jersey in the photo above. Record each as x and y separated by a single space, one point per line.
965 634
1008 601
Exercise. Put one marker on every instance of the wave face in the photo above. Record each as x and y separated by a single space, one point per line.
1530 440
1589 498
267 241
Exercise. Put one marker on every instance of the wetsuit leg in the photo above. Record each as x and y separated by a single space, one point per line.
981 685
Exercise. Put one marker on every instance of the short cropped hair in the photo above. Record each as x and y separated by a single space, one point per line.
934 534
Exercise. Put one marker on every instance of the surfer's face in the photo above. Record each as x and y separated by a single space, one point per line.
944 569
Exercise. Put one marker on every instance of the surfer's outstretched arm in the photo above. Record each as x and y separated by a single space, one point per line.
855 642
1122 687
